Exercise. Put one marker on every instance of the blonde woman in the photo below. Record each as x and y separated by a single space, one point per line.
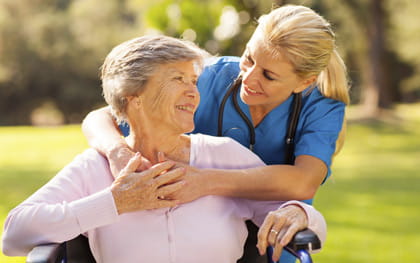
150 82
289 78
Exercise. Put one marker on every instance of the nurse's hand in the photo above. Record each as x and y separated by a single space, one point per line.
118 157
196 185
279 227
134 191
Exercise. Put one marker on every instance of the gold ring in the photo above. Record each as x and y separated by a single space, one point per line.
274 231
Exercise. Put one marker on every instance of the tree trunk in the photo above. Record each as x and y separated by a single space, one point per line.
375 94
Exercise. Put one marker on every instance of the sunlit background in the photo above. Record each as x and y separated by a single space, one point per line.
51 51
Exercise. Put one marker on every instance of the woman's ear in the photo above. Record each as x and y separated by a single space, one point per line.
134 100
138 101
133 103
305 83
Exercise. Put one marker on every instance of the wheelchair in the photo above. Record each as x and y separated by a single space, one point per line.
77 250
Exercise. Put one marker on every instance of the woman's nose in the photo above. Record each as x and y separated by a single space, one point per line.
192 91
249 76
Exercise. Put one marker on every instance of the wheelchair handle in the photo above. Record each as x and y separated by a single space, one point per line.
302 244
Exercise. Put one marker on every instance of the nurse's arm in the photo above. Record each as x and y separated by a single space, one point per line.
272 182
101 130
103 135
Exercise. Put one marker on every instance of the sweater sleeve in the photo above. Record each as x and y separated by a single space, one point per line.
76 200
316 221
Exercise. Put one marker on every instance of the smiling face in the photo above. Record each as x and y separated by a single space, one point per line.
267 80
170 97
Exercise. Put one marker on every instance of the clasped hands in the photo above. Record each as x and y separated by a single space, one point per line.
134 191
168 183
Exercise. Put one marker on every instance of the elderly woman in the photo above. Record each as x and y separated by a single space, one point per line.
150 82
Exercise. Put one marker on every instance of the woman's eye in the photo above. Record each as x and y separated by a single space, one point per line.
267 76
179 78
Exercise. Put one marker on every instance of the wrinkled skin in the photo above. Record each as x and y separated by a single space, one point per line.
279 228
134 191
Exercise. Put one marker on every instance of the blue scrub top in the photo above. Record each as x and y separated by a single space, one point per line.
316 133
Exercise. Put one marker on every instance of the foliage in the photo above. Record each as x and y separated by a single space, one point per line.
370 37
369 202
404 38
51 51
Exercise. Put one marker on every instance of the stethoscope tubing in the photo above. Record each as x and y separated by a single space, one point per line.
293 119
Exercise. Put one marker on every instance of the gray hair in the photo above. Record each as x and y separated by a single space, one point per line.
129 65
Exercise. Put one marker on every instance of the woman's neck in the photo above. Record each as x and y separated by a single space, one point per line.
174 146
257 114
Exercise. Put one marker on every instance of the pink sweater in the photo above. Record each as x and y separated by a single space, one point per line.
78 200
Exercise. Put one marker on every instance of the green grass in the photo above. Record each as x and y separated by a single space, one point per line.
370 202
29 157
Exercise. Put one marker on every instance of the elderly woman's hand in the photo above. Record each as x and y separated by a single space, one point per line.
146 190
279 227
119 156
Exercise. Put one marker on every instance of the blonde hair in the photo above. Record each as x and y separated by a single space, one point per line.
308 42
129 65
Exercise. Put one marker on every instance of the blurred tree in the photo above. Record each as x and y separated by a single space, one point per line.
194 20
377 39
222 27
363 33
51 50
404 38
370 18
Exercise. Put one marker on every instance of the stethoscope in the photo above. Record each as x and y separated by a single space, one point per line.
293 118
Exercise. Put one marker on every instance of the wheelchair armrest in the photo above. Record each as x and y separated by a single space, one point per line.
48 253
305 239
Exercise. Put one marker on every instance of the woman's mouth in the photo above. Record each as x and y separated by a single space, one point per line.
187 108
252 92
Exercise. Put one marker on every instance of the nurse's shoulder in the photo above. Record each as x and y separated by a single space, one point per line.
218 73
